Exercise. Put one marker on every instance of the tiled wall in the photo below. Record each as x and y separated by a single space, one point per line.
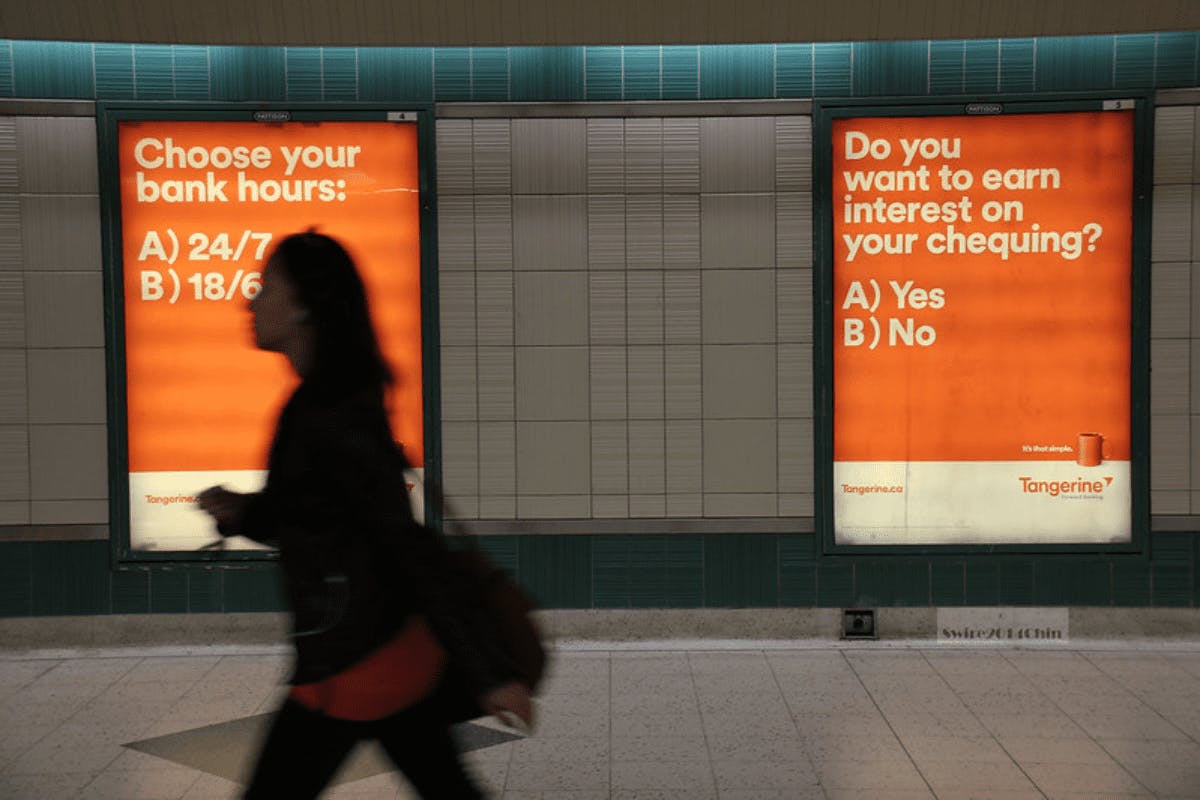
1175 314
53 460
626 314
645 214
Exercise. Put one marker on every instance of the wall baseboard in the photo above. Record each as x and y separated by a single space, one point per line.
610 626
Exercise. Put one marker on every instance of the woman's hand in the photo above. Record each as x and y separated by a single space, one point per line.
221 504
509 699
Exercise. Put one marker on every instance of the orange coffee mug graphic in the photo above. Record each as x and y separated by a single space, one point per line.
1091 449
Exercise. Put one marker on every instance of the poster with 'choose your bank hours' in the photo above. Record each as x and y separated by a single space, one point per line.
202 203
981 327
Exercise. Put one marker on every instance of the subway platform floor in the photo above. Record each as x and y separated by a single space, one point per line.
653 721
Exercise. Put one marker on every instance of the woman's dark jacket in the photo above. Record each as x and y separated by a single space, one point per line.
355 564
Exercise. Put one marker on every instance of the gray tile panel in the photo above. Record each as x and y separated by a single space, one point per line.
551 308
552 383
12 255
12 309
681 231
738 306
737 154
553 458
492 156
608 377
740 456
1174 137
610 457
455 157
646 382
683 383
794 231
1170 453
456 308
56 155
1170 300
550 232
549 156
14 462
681 155
644 307
67 386
61 232
737 230
793 154
493 233
605 156
68 462
685 456
494 312
497 461
644 231
606 231
459 389
795 381
497 389
647 457
1171 237
1169 379
643 156
456 232
606 308
794 305
739 381
681 306
14 387
64 309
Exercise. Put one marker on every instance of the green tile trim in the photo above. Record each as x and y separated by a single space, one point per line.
1131 584
490 74
1171 547
835 585
741 571
1016 583
947 583
550 74
981 66
557 570
890 68
303 66
169 591
451 74
1066 583
604 73
981 583
6 70
251 589
1175 59
793 70
53 70
1017 64
833 69
131 592
339 73
891 583
247 73
205 590
114 71
736 72
395 73
154 72
610 572
1133 62
1076 62
642 77
71 578
680 72
16 579
947 67
1172 585
191 72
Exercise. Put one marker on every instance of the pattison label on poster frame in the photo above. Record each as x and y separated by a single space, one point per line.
201 202
978 286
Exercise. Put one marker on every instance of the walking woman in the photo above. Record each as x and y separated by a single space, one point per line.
375 622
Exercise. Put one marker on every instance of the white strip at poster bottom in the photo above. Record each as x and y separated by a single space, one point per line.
164 517
986 502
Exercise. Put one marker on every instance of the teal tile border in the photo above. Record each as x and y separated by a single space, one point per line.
451 74
890 68
736 72
1064 63
339 73
604 73
598 73
6 69
642 77
154 72
635 571
56 70
114 71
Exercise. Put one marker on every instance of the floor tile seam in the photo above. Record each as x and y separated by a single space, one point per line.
1090 737
981 724
1134 695
792 715
899 740
712 773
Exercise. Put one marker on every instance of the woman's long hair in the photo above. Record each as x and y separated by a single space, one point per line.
345 352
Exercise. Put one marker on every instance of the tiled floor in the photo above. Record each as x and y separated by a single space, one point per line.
697 721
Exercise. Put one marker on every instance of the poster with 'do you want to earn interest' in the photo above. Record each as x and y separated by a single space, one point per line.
202 205
981 337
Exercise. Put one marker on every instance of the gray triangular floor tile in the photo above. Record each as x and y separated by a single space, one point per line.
227 749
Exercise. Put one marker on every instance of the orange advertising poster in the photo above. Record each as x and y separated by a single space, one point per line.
982 303
202 204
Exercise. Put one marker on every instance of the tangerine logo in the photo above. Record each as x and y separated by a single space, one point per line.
1055 488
